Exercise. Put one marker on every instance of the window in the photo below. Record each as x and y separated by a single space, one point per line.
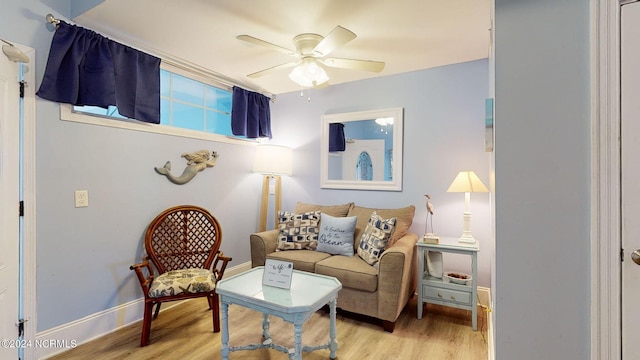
190 105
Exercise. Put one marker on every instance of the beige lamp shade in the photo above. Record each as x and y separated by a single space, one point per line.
467 181
273 160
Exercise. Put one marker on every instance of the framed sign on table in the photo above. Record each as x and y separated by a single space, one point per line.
277 273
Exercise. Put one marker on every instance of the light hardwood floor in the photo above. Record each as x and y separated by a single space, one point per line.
185 332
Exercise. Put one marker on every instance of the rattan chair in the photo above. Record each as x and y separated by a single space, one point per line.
183 245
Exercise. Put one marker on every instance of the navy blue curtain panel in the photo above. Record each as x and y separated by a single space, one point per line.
250 114
85 68
336 137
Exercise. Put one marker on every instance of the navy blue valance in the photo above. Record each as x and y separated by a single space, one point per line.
336 137
85 68
250 114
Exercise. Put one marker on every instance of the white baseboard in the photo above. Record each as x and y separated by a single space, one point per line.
484 299
491 349
484 296
64 337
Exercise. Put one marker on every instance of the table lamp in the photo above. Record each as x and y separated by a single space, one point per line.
272 161
467 182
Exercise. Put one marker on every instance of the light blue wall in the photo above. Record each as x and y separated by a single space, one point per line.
542 179
83 254
443 134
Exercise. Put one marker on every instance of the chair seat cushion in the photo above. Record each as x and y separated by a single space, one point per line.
184 281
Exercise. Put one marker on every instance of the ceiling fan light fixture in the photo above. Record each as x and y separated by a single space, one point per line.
311 51
384 121
308 74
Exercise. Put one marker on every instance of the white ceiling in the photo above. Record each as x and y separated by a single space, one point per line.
407 35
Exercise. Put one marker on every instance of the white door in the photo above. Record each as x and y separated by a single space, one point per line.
630 128
375 150
9 199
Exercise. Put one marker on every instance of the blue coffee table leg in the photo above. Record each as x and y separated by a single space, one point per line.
225 331
297 328
333 344
266 336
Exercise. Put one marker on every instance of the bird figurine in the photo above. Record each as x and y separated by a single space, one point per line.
429 237
429 204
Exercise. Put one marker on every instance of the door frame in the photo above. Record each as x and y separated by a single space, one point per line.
29 198
606 235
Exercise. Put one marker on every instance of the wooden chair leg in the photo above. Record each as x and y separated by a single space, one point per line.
155 314
146 324
214 305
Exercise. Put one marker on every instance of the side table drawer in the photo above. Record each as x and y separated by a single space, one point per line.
459 297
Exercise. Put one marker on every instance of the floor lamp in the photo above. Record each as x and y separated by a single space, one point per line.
272 161
467 182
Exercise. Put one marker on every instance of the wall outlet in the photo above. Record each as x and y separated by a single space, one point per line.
82 198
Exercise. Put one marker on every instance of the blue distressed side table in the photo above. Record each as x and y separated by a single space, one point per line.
436 291
309 292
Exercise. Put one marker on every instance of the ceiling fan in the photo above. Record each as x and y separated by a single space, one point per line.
311 51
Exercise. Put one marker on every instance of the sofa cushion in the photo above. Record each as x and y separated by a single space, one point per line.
336 234
298 231
304 260
333 210
353 272
404 219
375 237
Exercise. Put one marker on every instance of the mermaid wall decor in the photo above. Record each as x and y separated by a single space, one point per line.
196 162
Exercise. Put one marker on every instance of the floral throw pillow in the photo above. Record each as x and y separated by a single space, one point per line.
375 237
298 231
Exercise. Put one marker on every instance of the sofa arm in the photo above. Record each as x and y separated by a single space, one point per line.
397 277
262 244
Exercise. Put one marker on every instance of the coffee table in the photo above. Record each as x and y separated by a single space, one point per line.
309 292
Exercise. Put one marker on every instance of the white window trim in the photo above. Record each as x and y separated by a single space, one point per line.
194 75
67 114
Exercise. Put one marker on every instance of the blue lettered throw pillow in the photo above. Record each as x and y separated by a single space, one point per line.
336 234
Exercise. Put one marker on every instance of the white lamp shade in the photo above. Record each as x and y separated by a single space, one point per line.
273 159
467 181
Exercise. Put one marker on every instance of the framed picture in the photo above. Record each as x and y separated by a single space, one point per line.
488 125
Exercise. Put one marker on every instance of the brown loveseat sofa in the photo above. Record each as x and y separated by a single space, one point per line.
380 291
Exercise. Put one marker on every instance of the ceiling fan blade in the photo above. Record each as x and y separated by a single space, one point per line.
252 40
366 65
273 69
336 38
